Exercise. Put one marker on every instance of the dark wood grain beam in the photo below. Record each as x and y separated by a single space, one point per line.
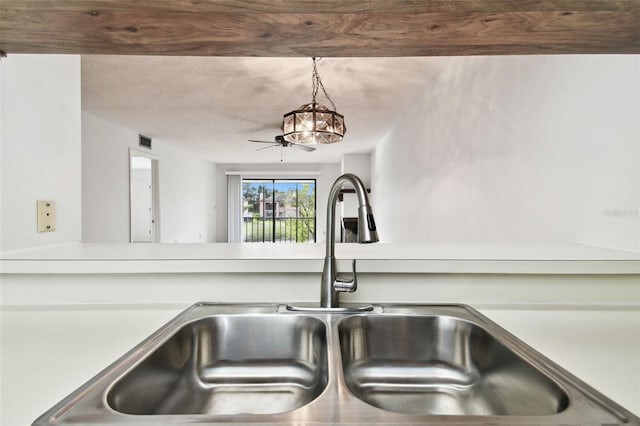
326 6
319 28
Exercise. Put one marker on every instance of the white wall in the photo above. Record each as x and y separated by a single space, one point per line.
535 149
105 180
40 133
327 173
186 186
187 196
360 165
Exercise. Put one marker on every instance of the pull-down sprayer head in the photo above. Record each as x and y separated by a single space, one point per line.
367 232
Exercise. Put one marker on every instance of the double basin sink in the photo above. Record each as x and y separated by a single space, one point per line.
268 364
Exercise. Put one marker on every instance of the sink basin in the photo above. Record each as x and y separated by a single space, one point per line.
397 364
441 365
227 365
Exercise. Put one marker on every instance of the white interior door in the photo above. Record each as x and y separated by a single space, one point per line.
143 217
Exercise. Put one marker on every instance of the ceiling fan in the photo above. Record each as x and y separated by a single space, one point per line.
281 142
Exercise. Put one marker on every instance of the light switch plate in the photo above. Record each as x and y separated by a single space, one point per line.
46 215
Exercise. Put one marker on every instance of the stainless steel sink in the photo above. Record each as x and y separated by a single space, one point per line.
398 364
229 365
441 365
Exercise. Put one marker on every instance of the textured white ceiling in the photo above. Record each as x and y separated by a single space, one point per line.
212 105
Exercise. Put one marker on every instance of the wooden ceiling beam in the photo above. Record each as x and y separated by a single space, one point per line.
334 28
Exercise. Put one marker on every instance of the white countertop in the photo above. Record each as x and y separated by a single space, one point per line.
268 257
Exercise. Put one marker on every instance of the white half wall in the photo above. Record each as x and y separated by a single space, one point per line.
186 186
40 131
534 149
324 173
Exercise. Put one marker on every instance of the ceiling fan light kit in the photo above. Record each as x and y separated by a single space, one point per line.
314 123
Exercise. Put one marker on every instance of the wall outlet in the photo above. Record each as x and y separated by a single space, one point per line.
46 215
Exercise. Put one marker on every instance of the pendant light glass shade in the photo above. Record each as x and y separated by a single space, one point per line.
314 123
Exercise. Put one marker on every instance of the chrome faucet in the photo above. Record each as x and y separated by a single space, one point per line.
331 284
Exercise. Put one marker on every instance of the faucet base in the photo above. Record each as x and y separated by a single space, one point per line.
342 309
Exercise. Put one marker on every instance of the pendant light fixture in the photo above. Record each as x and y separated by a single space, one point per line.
314 123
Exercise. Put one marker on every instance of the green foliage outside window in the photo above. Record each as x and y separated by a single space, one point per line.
279 211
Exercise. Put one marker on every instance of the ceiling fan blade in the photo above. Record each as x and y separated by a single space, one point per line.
253 140
304 147
267 147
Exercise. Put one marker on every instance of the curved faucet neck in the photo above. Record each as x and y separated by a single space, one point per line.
363 200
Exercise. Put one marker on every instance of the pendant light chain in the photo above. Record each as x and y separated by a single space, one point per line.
316 83
314 123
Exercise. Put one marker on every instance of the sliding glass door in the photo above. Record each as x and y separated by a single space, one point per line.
279 210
